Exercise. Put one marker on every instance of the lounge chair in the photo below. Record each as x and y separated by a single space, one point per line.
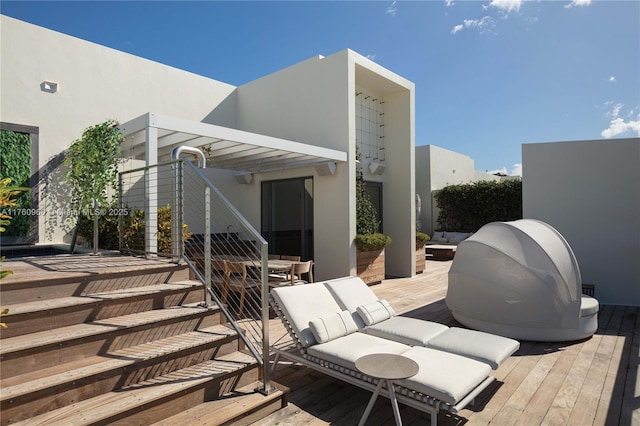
329 339
353 295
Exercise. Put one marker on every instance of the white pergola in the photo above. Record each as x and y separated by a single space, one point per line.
152 137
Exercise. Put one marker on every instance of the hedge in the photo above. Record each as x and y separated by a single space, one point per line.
467 207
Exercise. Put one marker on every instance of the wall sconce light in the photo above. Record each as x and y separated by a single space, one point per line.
49 86
376 168
326 169
244 178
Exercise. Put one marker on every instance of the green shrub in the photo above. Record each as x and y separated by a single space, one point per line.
372 241
467 207
133 233
421 237
15 163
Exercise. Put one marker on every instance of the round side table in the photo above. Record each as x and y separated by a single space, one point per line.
386 367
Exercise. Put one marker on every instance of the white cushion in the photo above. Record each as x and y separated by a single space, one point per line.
303 303
373 313
458 237
437 235
410 331
351 292
346 350
484 347
443 375
331 327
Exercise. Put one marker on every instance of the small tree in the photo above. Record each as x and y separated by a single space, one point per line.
93 169
367 221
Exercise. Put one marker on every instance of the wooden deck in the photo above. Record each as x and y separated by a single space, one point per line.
592 382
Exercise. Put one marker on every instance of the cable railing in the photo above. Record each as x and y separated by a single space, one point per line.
174 210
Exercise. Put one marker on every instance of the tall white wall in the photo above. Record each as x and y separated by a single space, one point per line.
314 102
590 192
96 83
307 102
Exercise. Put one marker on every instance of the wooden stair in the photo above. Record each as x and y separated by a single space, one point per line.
118 346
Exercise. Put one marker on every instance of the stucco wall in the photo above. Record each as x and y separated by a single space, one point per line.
590 192
96 83
436 168
306 102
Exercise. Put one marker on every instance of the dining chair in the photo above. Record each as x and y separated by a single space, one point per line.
235 280
299 268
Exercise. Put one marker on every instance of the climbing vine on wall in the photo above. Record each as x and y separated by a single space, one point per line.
15 163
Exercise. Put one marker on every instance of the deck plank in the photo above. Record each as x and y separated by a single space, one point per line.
592 382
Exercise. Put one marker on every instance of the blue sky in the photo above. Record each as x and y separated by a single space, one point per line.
490 75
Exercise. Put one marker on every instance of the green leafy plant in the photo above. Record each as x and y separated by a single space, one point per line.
93 165
133 223
7 194
372 241
368 236
15 163
421 237
467 207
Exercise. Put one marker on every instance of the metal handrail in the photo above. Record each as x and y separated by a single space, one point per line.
192 194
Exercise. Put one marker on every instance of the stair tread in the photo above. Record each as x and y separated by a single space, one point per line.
13 387
105 406
226 409
94 298
80 331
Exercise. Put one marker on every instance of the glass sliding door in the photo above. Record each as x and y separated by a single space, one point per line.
287 216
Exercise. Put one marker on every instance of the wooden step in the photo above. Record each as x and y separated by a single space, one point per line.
49 348
240 407
38 392
153 400
48 278
41 315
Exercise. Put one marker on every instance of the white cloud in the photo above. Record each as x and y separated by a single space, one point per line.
506 5
612 79
392 9
484 25
501 171
371 57
615 111
448 3
516 170
620 127
578 3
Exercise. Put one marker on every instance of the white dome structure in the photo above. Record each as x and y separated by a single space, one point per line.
521 280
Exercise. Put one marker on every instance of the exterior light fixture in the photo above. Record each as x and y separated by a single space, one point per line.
244 178
376 168
326 169
49 86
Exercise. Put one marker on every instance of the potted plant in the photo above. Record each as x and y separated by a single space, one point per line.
421 238
92 164
370 243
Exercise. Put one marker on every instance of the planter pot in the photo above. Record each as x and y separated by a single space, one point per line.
421 257
370 264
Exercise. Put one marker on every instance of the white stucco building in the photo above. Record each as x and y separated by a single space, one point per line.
436 168
590 192
53 86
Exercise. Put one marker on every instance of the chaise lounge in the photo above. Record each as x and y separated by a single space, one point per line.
335 323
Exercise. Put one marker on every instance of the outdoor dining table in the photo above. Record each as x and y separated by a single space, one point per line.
273 265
